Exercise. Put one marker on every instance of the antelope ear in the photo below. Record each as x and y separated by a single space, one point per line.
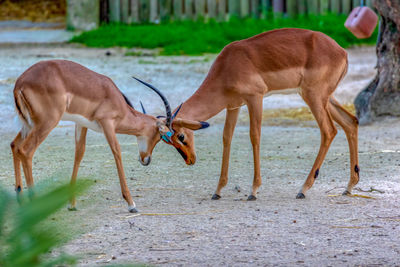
189 124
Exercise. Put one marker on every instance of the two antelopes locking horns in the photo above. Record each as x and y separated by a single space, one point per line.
291 60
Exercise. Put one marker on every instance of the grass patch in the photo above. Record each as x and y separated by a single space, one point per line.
194 38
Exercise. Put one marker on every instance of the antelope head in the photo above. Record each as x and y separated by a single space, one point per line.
177 132
183 137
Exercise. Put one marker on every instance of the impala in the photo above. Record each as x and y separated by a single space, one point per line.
279 61
55 90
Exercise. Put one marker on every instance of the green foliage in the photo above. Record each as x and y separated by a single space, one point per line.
23 241
193 38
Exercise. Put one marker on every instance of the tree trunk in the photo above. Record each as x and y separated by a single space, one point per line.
382 95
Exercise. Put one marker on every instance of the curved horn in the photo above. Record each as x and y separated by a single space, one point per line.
164 99
141 104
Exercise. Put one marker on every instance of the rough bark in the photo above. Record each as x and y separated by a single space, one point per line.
382 96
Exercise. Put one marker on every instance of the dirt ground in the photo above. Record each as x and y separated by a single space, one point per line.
179 224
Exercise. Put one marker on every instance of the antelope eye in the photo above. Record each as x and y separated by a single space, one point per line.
181 137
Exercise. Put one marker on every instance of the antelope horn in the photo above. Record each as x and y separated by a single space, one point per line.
164 99
141 104
176 112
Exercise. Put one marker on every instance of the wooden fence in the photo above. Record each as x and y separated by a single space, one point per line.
155 11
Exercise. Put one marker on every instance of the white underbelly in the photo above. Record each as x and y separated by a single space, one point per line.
288 91
82 121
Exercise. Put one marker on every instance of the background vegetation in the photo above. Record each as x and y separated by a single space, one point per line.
33 10
193 38
26 236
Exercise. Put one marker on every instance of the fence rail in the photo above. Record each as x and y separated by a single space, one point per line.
142 11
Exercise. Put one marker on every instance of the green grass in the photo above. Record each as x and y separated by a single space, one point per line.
194 38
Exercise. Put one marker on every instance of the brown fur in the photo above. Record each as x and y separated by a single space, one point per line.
245 71
49 89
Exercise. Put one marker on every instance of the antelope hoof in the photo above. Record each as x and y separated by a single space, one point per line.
18 189
300 196
251 198
215 197
70 208
346 193
132 209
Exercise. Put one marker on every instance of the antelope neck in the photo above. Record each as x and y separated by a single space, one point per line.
202 105
134 123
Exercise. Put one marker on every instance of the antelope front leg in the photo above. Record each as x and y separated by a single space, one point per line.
109 132
230 123
80 141
255 111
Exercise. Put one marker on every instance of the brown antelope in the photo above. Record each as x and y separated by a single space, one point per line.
55 90
279 61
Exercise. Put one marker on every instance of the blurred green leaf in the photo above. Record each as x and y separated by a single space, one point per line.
4 201
31 213
26 242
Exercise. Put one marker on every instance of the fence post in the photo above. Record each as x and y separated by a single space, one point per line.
144 11
222 10
346 6
255 8
278 8
153 11
244 8
178 8
212 9
200 6
189 9
335 7
312 6
302 7
265 8
114 10
356 3
134 15
233 8
291 7
323 6
165 10
125 11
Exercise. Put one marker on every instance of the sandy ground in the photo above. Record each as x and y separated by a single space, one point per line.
179 223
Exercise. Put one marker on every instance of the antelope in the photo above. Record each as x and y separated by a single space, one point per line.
50 91
279 61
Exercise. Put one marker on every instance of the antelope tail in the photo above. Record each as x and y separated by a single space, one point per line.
22 110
